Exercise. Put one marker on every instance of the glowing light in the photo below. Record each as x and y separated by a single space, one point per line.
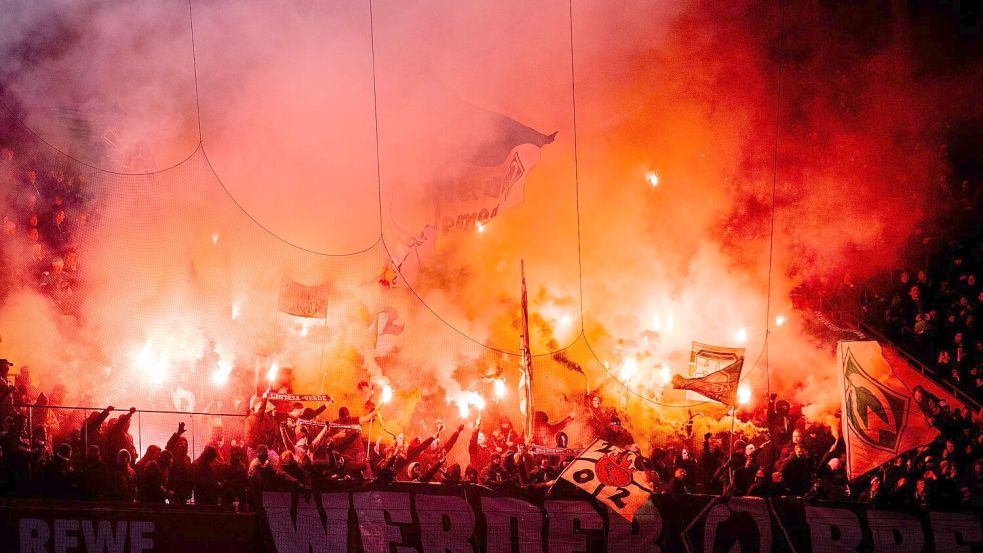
780 320
652 178
499 386
743 394
741 335
478 402
153 364
565 321
387 394
303 328
669 322
221 375
656 323
271 374
480 226
468 399
665 374
628 369
215 238
159 374
236 309
145 359
219 378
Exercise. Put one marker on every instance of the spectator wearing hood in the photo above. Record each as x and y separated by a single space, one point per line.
685 461
57 479
152 454
122 478
179 480
202 476
118 435
797 471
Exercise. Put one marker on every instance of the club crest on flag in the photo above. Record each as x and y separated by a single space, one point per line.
608 473
875 413
615 470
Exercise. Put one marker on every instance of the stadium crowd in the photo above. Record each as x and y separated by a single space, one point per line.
284 445
931 311
45 216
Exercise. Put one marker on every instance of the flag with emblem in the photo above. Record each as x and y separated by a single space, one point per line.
715 372
886 406
612 475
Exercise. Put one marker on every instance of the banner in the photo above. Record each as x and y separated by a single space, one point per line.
887 408
609 473
301 300
468 519
420 517
299 397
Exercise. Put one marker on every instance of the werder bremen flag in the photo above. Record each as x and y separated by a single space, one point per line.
886 407
301 300
609 473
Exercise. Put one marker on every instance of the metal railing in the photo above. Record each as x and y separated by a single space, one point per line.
924 369
855 320
147 426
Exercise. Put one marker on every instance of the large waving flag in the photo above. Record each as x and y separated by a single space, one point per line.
493 180
478 173
610 474
887 408
719 386
715 372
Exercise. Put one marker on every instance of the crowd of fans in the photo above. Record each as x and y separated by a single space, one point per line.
285 445
45 214
932 311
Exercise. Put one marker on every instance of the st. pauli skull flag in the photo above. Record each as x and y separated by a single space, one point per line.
717 371
610 474
887 407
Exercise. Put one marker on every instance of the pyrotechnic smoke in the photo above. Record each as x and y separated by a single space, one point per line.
288 120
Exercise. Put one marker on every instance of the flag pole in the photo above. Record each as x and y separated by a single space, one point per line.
526 364
730 455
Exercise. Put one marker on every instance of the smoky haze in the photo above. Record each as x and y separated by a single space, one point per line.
291 173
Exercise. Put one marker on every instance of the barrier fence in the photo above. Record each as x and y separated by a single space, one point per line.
147 427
